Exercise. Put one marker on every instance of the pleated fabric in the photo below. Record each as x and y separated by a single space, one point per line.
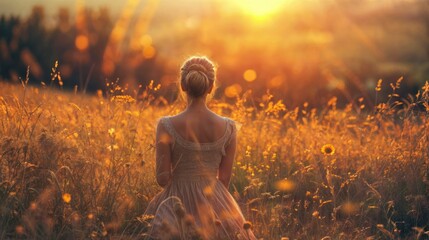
196 205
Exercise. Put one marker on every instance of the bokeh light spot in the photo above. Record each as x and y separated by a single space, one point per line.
233 90
285 185
67 197
146 40
249 75
108 67
20 230
82 42
350 208
276 82
149 52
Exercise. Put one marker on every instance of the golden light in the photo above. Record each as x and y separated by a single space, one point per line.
350 208
149 52
33 206
67 197
249 75
276 82
260 8
108 67
118 33
208 191
233 90
146 40
285 185
81 42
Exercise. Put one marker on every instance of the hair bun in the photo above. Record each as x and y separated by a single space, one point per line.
197 67
197 76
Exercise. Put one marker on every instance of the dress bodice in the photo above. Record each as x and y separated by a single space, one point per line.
195 161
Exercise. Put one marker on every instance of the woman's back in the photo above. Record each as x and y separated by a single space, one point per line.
196 152
199 127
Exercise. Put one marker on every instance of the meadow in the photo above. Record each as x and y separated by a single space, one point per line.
75 166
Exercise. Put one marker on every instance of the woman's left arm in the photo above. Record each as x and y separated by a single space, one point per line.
225 167
163 155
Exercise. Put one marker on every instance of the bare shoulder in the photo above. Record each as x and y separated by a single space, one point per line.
219 120
163 133
223 119
217 116
178 117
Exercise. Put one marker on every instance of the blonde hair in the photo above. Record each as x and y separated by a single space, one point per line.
197 76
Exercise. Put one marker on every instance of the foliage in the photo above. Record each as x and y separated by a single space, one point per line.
74 166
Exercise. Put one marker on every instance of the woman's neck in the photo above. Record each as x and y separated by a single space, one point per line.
196 104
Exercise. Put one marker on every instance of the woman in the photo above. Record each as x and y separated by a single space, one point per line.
194 156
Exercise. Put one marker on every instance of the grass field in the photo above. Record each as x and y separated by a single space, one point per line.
75 166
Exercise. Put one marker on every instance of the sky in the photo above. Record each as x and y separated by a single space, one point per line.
23 7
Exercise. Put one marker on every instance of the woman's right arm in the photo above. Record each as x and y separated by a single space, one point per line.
163 155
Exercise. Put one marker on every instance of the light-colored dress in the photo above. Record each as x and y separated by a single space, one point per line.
196 205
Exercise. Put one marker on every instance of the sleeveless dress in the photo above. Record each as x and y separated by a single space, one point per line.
196 205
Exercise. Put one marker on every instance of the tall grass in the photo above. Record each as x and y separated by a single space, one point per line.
74 166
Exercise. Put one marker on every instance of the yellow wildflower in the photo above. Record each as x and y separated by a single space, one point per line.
328 149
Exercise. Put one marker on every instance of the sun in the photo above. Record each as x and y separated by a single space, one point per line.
260 8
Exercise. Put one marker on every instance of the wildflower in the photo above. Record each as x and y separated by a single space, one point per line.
111 131
248 151
328 149
247 225
123 99
67 197
265 154
378 88
315 214
113 147
273 158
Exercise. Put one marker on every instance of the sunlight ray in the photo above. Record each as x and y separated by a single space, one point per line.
112 53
